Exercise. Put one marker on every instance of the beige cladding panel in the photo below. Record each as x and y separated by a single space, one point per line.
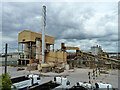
61 55
49 40
56 56
50 56
34 35
26 36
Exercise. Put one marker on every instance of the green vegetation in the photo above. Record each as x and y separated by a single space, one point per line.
5 82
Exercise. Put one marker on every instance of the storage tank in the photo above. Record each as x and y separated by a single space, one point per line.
33 51
26 51
38 48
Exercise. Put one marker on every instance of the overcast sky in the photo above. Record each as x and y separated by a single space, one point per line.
80 24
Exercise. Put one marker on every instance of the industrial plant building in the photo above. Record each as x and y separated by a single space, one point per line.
96 49
30 48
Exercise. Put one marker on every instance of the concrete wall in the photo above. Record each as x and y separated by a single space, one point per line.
56 57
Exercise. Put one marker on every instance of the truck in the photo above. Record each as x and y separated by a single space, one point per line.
83 86
93 86
63 81
103 85
25 82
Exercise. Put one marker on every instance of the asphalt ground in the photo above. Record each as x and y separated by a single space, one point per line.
75 75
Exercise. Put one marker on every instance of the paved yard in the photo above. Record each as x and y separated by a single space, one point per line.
73 75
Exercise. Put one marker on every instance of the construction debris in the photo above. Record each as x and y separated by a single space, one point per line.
46 69
32 66
59 69
103 72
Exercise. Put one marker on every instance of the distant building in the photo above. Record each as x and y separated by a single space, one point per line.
96 49
11 55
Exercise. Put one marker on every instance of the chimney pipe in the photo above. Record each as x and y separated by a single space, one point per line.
43 34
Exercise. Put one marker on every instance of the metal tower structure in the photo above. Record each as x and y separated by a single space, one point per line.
43 33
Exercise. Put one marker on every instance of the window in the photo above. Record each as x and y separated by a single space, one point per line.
38 78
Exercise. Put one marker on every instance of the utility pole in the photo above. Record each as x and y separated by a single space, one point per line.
30 55
43 33
6 58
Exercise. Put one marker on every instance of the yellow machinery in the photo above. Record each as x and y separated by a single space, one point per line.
68 48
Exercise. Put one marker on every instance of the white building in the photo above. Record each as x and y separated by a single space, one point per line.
96 49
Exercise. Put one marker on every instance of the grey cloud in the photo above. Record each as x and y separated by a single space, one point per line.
64 21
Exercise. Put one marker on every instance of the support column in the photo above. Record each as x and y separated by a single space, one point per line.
18 55
38 48
18 51
48 47
53 47
25 62
89 62
22 51
30 50
18 62
26 51
21 62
